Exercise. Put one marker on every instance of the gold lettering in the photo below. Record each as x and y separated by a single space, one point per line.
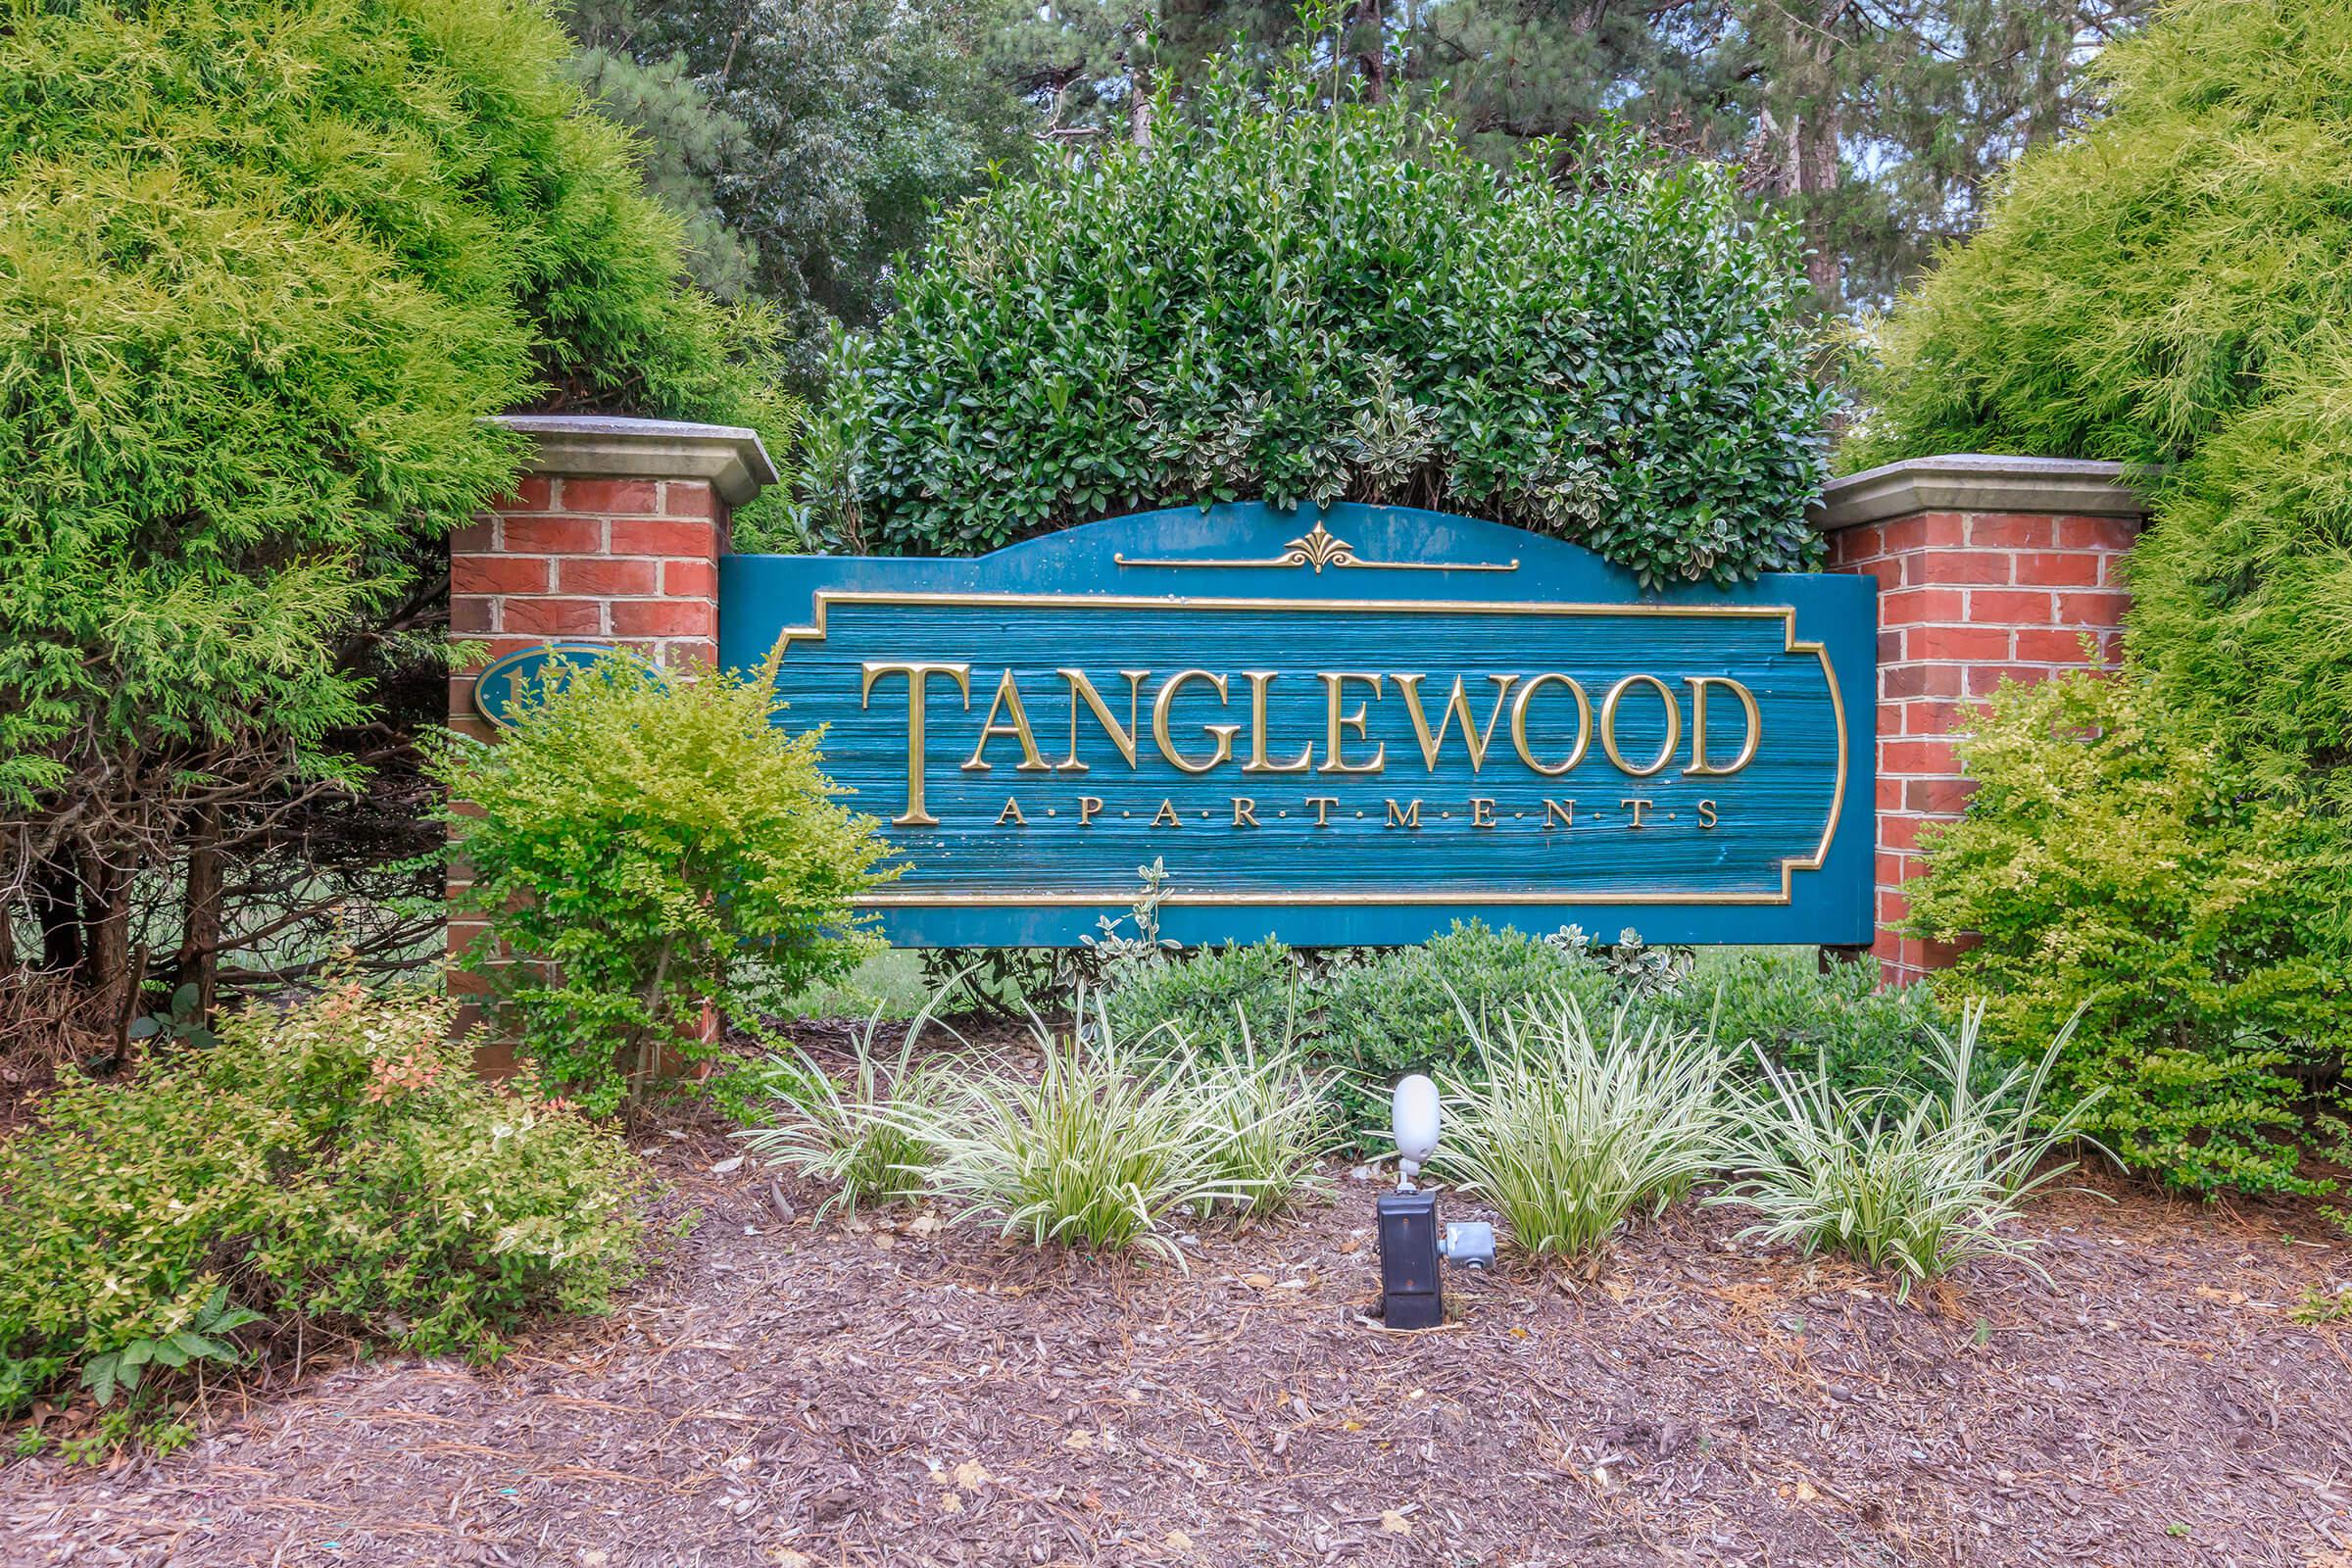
1007 700
1168 817
1244 811
1090 807
1408 815
1639 807
1167 699
1337 723
1584 724
916 675
1259 680
1457 703
1012 814
1608 724
1564 810
1706 814
1322 804
1699 765
1083 689
1482 812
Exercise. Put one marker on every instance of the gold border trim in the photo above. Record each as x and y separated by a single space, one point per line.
826 598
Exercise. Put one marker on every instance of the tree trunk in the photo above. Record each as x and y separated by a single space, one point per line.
104 976
1372 49
54 895
1138 105
198 961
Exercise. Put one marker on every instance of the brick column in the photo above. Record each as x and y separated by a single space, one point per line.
1989 568
612 535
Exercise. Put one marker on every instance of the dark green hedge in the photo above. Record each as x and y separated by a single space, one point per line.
1285 300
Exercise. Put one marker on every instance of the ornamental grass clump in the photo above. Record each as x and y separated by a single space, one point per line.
1096 1152
1917 1184
1567 1133
867 1138
1271 1119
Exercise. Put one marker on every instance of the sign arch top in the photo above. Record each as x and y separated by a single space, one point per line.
1345 726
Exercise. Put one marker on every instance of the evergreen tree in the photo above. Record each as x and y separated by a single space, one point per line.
265 267
806 140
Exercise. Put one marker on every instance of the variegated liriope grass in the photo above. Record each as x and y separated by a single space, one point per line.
1570 1130
1916 1183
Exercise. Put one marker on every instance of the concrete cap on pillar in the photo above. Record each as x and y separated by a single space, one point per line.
1977 481
728 457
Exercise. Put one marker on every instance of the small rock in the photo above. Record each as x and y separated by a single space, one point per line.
726 1165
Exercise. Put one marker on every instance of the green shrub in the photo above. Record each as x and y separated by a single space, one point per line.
1801 1017
1403 1010
2110 861
1299 302
338 1163
1566 1135
1214 998
1919 1183
266 267
2170 288
633 835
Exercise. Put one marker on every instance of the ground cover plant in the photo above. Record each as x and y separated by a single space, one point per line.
2179 1410
1916 1182
2173 850
866 1138
1097 1152
1299 301
633 836
336 1166
1568 1129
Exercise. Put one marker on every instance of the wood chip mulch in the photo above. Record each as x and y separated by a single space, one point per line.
788 1393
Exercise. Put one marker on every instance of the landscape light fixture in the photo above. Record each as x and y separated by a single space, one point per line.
1410 1242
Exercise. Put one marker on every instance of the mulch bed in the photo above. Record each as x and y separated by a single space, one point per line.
793 1394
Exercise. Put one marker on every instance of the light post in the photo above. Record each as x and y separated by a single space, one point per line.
1411 1297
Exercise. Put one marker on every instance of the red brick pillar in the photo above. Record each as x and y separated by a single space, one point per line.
1988 567
612 535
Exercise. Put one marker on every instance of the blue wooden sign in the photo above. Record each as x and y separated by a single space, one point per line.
1351 726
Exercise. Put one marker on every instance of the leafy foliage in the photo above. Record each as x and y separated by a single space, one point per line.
1919 1184
338 1162
1096 1152
1421 1010
2112 861
865 1138
266 267
1216 998
1269 1120
632 835
809 139
2170 289
1306 303
1566 1135
1805 1018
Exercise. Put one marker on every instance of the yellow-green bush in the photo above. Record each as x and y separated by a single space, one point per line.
637 832
2111 861
2170 289
337 1162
